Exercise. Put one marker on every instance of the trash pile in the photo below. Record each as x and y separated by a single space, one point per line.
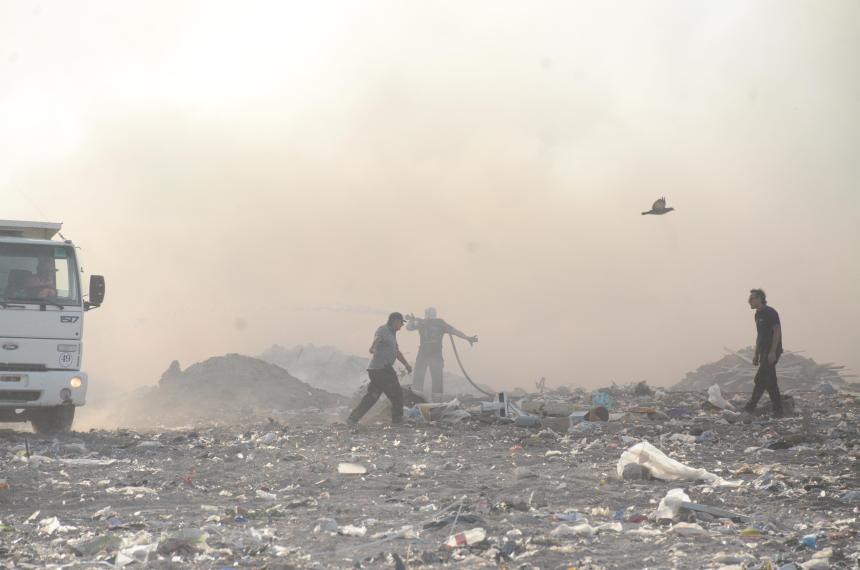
735 373
230 388
665 480
330 369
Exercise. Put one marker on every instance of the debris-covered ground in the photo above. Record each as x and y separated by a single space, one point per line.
294 491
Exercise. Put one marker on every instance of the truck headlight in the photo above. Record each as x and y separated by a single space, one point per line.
75 382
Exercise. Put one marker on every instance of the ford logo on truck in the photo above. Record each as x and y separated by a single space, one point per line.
10 346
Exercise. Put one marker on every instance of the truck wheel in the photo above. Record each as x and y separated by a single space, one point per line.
57 419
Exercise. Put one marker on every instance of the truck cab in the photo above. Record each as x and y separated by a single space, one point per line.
42 308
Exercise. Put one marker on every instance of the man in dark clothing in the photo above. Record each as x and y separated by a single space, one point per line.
383 378
768 349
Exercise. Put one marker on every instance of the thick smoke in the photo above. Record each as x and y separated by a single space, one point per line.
249 168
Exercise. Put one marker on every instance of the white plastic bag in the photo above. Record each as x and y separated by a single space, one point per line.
715 397
670 505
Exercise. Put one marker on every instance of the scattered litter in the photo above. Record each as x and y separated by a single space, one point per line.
582 529
89 462
186 540
713 511
351 530
268 439
527 420
91 547
277 489
131 491
521 473
570 517
603 399
138 553
49 526
751 533
448 412
466 538
850 497
326 526
351 469
810 541
688 529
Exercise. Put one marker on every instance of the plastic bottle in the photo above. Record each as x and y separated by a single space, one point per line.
467 537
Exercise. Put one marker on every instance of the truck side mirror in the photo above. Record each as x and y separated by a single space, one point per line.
97 290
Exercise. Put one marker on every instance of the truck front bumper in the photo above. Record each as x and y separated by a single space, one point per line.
40 389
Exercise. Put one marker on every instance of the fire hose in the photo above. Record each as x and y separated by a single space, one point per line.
463 370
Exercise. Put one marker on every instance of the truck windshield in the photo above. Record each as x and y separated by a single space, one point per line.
35 273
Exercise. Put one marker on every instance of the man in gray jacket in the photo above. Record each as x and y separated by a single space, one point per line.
383 378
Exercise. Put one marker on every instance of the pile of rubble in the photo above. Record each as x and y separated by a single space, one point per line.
735 373
224 389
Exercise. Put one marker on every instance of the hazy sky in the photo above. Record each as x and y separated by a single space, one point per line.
243 173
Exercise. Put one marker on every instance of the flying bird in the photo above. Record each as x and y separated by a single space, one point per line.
659 208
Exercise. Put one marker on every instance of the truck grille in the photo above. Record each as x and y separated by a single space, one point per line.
22 367
19 395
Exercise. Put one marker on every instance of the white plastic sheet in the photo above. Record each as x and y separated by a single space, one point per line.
661 466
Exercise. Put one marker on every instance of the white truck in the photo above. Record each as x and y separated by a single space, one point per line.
42 310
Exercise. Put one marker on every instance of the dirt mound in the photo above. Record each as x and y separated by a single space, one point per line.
735 373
